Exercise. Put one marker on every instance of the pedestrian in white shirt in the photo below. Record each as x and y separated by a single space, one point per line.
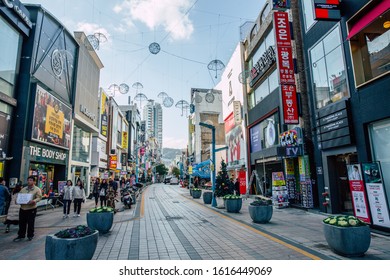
78 197
67 198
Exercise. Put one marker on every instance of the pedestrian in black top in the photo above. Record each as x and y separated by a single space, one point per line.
95 191
103 193
237 187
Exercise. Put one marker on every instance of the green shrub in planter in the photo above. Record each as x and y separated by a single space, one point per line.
233 203
261 210
347 235
101 218
77 243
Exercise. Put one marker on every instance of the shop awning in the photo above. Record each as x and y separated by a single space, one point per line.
369 17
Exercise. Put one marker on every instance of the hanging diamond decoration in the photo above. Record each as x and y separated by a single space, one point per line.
124 88
168 102
154 48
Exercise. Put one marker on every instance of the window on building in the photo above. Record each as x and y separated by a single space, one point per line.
254 31
328 70
9 52
371 50
308 14
81 144
379 136
268 85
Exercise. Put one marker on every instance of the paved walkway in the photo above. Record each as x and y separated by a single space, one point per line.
167 223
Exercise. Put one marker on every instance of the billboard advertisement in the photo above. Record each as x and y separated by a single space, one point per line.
52 120
255 138
234 139
103 114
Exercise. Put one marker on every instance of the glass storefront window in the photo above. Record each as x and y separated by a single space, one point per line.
308 12
81 144
266 87
328 70
257 134
379 136
371 50
10 46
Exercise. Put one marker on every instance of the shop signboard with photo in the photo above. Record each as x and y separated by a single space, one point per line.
279 190
52 120
376 194
234 139
5 121
359 200
255 137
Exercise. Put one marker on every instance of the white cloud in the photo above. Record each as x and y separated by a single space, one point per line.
169 14
174 142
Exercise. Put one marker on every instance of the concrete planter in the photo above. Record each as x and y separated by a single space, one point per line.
233 205
81 248
196 194
348 241
260 214
100 221
207 197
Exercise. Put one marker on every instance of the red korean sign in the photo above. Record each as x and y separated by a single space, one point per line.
285 65
290 106
282 29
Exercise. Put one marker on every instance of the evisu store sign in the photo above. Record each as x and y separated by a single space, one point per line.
286 67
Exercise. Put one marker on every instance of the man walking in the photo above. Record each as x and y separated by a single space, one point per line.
28 211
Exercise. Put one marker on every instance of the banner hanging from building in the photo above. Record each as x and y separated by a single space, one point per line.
235 140
286 67
52 120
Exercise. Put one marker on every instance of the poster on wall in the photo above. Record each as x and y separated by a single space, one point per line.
235 140
305 182
376 194
61 186
5 121
359 201
52 120
242 181
255 138
103 114
290 178
279 190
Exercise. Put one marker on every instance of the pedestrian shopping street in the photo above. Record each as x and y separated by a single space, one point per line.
166 223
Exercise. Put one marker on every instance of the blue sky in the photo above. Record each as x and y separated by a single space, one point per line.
191 33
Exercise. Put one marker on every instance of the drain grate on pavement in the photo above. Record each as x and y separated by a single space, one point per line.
175 201
151 197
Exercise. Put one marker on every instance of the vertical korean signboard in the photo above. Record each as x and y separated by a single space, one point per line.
286 67
360 206
103 114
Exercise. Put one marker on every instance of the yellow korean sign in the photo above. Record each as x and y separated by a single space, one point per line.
54 121
125 140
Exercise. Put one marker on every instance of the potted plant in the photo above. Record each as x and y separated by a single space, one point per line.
101 219
196 193
233 203
347 235
207 197
77 243
223 186
261 210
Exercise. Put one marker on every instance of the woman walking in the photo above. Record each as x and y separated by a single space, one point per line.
95 191
103 193
13 211
78 197
67 193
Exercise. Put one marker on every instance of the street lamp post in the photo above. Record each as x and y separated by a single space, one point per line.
209 126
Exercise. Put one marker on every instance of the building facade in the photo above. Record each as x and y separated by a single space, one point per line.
86 111
46 96
15 28
348 80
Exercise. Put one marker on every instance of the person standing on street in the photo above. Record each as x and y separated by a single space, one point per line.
103 193
78 197
4 196
67 193
28 211
95 191
237 187
14 209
